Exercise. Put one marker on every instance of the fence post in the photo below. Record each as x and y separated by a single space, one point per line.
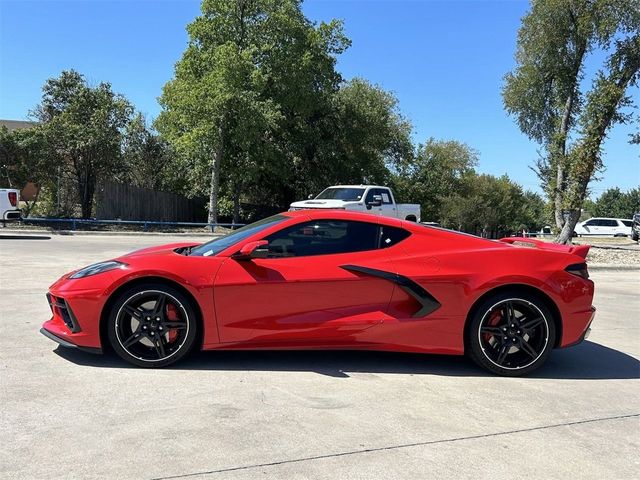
73 224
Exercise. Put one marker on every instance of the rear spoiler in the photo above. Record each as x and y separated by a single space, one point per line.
580 250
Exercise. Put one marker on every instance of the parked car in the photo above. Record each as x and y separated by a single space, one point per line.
10 204
361 198
330 279
610 227
635 229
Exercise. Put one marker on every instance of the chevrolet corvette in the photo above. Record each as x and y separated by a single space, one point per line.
331 280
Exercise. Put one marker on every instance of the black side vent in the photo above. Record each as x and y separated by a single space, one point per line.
60 307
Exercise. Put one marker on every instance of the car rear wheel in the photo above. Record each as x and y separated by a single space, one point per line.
511 334
152 325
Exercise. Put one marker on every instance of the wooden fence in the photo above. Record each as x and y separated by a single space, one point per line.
115 201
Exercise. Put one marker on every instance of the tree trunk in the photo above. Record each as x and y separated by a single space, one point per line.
86 188
566 234
215 178
236 202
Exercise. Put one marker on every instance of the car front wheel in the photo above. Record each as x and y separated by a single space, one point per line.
511 334
152 325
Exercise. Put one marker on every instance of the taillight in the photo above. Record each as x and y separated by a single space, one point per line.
13 198
578 269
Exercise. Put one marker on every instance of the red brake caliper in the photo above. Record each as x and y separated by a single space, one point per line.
172 316
494 319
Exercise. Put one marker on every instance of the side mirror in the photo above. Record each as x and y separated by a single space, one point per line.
251 250
376 202
310 197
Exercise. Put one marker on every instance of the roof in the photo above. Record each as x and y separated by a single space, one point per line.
16 124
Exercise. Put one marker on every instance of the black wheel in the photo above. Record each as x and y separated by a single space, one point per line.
152 325
511 334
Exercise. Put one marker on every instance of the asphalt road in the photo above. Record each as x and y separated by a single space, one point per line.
298 415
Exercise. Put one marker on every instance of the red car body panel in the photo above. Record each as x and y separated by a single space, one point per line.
324 301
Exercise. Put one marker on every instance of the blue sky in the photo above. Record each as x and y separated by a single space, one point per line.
444 61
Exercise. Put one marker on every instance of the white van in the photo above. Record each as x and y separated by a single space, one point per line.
10 204
609 227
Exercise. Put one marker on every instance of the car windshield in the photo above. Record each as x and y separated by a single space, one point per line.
219 244
348 194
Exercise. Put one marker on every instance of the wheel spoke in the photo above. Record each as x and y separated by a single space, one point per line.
159 345
133 312
134 338
495 331
159 307
531 324
502 354
175 325
528 349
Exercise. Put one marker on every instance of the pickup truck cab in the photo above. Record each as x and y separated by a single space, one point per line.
372 199
9 204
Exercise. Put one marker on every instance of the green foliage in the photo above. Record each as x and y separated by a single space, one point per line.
146 157
437 169
82 127
247 91
617 204
493 206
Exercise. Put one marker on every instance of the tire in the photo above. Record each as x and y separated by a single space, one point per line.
511 348
411 218
635 236
152 325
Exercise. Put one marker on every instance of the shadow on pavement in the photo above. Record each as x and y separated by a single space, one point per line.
588 361
6 236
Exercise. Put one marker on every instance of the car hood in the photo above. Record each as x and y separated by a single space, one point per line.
158 250
322 204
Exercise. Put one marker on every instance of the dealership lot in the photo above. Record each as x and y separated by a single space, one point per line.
68 414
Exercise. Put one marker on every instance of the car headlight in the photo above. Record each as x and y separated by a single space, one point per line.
97 268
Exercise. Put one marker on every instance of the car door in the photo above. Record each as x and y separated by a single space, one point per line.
591 227
388 207
304 291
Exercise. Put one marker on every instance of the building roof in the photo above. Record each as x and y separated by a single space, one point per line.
16 124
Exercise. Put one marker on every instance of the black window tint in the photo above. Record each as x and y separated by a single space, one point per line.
627 223
370 194
608 223
323 237
389 236
592 223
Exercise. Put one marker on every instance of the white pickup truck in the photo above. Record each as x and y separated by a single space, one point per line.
361 198
9 204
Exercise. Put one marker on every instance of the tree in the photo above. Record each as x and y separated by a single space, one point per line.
615 203
82 127
437 170
146 157
24 158
492 206
246 87
545 90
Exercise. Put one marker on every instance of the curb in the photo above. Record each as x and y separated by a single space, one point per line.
27 232
612 267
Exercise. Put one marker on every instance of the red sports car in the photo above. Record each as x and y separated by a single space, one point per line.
332 280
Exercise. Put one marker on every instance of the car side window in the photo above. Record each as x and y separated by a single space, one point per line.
390 236
627 223
323 237
608 223
592 223
386 196
370 194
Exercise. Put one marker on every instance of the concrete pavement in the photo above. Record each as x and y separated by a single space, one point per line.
299 415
